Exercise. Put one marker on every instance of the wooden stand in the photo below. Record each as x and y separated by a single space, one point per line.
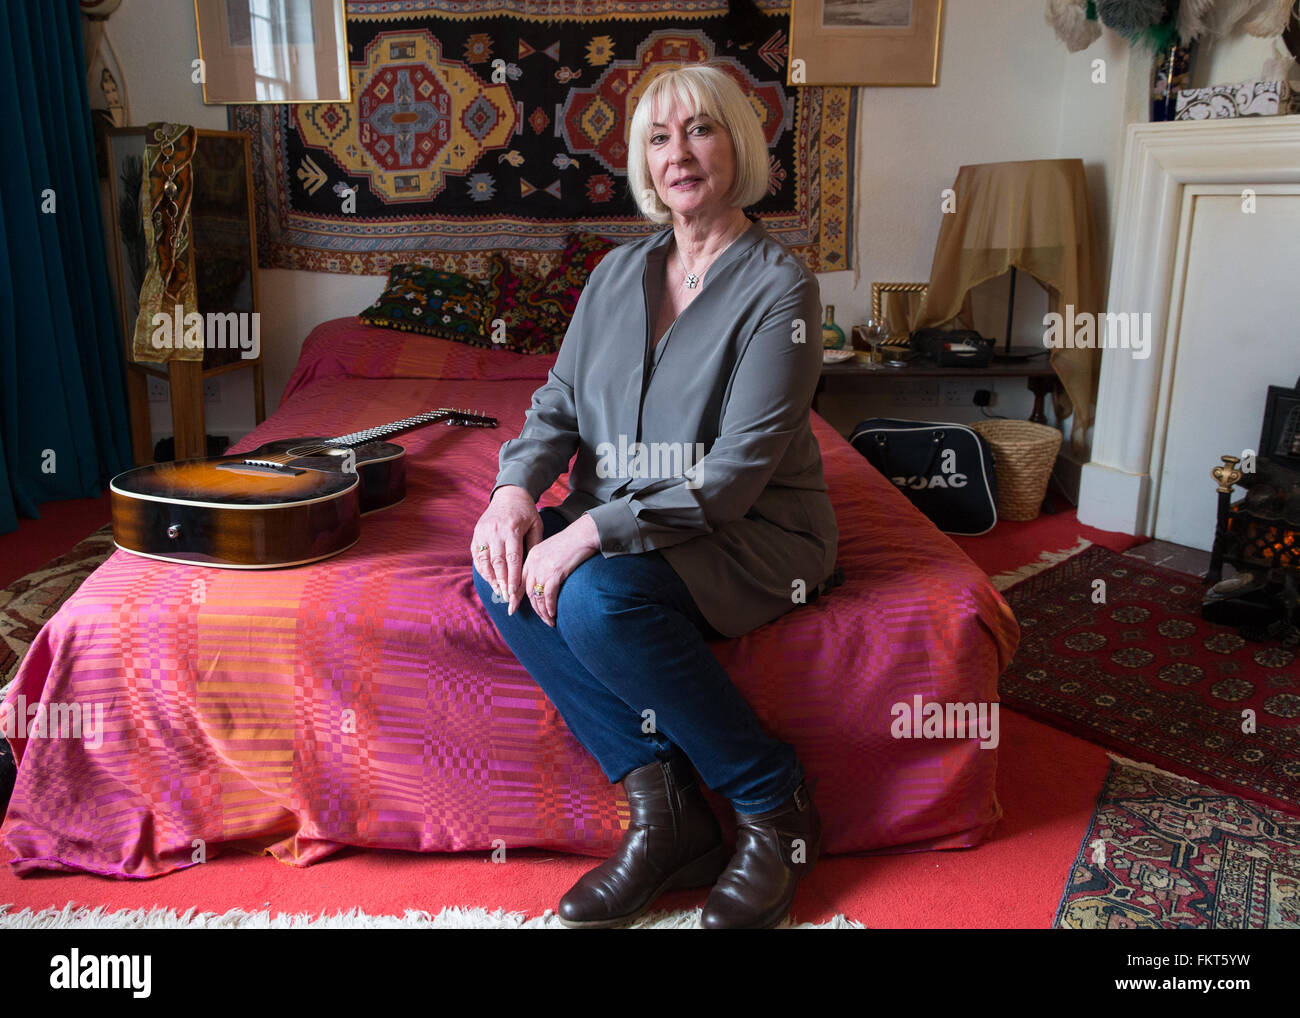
215 209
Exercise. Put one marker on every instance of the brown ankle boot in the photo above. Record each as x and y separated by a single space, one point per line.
774 851
672 842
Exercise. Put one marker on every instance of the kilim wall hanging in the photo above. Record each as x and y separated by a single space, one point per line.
500 125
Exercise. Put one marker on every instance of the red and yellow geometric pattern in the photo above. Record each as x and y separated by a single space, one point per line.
480 127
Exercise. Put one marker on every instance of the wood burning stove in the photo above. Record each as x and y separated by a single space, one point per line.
1260 534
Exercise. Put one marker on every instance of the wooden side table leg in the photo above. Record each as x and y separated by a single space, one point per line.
188 424
1040 387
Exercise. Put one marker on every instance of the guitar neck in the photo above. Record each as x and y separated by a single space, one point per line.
385 431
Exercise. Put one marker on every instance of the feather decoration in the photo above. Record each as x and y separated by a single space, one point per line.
1223 17
1069 19
1194 18
1161 23
1270 18
1279 67
1131 17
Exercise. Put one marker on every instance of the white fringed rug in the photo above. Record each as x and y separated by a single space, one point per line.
73 918
1046 560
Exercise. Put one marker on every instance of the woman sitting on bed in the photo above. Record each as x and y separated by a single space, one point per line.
696 510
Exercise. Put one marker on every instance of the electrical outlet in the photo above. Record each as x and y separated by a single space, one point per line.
157 389
915 394
957 393
211 390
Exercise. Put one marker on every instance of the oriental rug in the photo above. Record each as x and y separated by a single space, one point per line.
1163 852
1114 649
484 125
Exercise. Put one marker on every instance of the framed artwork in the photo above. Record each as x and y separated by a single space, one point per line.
898 304
864 42
291 51
127 256
1280 438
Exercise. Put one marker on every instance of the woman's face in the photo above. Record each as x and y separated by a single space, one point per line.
692 161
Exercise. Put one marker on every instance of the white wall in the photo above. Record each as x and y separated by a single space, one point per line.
1007 90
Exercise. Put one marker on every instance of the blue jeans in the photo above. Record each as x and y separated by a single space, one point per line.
629 638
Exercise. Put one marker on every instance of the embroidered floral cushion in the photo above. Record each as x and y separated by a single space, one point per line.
525 327
558 293
436 303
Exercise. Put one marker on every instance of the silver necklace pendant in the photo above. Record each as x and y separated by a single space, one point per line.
692 280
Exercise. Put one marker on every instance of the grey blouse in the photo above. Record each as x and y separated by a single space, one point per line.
701 447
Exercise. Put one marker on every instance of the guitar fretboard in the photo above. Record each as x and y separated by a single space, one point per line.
406 424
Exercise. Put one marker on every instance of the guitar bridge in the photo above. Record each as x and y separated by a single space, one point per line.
261 468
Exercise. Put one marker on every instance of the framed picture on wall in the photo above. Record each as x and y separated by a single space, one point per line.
127 255
864 42
291 51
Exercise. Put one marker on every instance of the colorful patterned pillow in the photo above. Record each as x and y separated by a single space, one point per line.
528 328
442 304
559 292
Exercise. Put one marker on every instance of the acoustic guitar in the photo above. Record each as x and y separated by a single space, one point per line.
286 503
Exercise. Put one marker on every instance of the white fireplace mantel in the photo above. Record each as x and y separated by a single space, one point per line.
1164 166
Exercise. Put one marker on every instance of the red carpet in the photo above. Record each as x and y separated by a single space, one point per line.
1048 783
1010 545
35 542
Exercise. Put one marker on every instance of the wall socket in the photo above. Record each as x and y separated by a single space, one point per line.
211 390
915 394
953 393
157 389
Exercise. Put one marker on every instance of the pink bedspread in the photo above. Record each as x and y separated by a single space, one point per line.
367 700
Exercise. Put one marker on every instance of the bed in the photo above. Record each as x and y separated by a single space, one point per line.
367 700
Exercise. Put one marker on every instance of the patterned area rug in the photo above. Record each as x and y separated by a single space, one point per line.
1141 672
477 126
1163 852
31 601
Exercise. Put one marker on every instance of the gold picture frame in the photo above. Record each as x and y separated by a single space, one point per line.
864 42
899 304
298 53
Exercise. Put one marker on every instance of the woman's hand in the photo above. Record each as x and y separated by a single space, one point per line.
550 563
504 534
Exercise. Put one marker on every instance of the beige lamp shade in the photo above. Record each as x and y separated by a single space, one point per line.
1034 216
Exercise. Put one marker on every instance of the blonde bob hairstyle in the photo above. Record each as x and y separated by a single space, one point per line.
698 88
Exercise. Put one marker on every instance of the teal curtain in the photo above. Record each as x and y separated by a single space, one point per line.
63 418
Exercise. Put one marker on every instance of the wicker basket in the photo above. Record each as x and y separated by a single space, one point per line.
1023 456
